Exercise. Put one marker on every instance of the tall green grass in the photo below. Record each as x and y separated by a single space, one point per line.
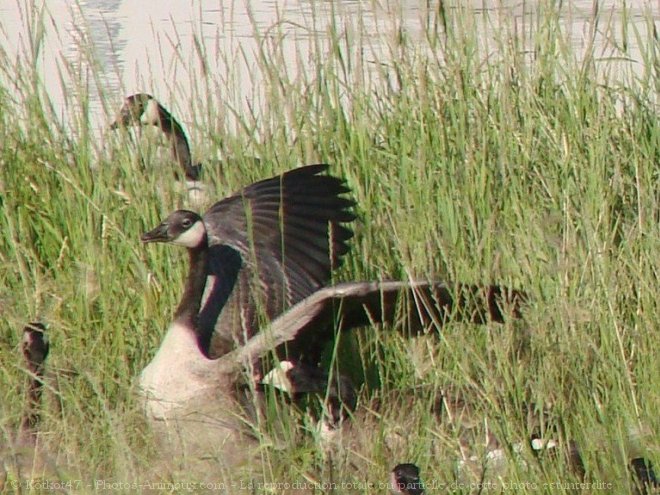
513 161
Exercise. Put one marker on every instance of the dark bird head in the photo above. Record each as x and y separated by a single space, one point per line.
405 480
644 476
182 227
35 344
138 109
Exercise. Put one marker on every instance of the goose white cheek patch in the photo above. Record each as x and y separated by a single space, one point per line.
277 377
192 237
150 115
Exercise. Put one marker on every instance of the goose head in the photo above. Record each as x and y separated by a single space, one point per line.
35 344
182 228
138 109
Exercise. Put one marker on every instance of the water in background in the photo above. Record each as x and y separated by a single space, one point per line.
166 48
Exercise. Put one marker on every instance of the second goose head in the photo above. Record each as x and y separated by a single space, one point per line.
143 109
139 109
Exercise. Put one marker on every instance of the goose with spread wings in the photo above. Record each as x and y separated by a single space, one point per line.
252 256
260 262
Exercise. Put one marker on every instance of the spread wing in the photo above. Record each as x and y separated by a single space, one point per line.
344 306
272 245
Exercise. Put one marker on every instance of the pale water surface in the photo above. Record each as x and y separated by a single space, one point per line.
165 47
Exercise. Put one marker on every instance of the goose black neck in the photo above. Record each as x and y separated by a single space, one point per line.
181 153
179 143
191 300
35 390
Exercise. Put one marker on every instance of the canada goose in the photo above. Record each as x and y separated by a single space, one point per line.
405 480
256 271
35 348
185 382
144 109
259 261
24 458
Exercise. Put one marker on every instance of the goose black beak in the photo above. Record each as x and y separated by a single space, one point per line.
125 117
159 234
122 120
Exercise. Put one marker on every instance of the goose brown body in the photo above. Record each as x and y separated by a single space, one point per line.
271 246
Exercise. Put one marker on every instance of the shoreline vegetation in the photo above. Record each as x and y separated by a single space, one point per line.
514 162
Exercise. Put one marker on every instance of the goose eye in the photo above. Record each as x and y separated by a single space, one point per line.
187 222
